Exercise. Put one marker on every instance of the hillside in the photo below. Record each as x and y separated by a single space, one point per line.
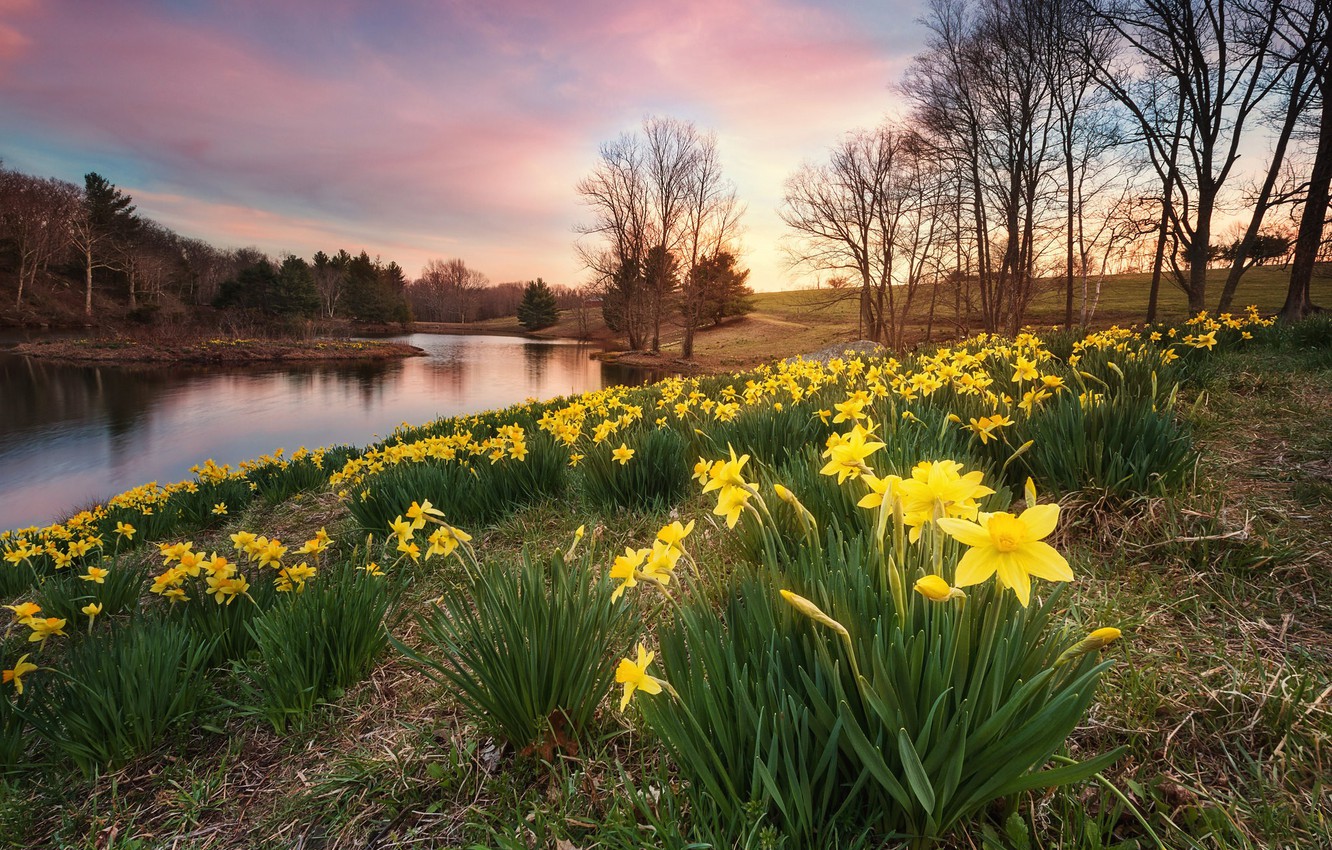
783 323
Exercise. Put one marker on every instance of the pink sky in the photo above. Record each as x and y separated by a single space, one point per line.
416 130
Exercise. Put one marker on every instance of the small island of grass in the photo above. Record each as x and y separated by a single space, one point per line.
213 351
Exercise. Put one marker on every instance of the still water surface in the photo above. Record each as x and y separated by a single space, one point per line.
72 435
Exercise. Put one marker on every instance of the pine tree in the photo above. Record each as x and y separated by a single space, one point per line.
538 309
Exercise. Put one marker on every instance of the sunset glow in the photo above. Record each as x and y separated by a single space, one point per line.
430 130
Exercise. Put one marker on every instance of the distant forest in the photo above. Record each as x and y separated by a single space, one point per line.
74 255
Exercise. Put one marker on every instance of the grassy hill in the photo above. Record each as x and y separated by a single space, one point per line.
786 323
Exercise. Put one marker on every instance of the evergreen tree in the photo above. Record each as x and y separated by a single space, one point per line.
538 309
105 220
296 294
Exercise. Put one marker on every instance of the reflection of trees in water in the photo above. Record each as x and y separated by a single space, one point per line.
39 394
536 358
449 375
630 376
369 380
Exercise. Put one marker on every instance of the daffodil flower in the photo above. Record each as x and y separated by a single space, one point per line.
15 675
634 676
1011 547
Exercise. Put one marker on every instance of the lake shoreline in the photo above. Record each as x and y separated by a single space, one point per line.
219 351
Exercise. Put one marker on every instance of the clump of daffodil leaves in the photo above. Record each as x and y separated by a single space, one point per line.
870 686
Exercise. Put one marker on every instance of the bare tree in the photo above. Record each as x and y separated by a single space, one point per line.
987 107
448 291
709 227
870 212
1192 75
35 216
659 205
619 197
1306 28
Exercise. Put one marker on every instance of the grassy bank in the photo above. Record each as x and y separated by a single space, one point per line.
1220 692
809 320
217 351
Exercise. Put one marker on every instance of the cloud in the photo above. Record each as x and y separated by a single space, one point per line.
460 127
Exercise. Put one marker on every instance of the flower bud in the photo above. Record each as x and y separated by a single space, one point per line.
812 611
1093 642
936 589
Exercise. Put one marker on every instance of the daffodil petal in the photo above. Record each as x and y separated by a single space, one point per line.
1040 521
975 566
966 532
1043 561
1012 575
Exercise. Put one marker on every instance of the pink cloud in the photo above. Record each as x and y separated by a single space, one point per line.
461 131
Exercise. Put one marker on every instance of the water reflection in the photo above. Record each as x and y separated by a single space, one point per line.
70 435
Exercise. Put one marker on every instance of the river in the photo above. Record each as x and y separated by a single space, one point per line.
71 436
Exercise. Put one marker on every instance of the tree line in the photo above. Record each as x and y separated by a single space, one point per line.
58 237
1056 142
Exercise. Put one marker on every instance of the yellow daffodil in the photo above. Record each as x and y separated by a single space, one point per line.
846 453
675 533
939 488
96 575
270 554
634 676
1011 547
418 513
731 502
25 611
15 675
623 454
726 474
703 470
224 589
45 628
403 528
880 489
125 530
625 569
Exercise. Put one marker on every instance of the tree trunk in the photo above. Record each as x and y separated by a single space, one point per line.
1312 221
1068 282
1297 101
1200 252
87 270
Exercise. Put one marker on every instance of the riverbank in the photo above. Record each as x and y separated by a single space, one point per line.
218 351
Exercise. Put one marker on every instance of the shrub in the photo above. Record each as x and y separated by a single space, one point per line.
66 594
1120 446
470 493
